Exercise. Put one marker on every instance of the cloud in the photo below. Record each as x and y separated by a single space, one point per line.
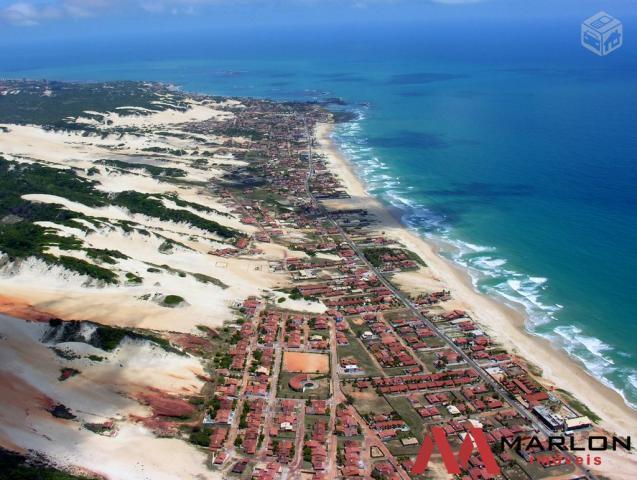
35 12
28 14
22 14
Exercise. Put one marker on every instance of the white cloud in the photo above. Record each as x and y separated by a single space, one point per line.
23 14
34 12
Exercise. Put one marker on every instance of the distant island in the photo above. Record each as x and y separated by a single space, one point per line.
198 286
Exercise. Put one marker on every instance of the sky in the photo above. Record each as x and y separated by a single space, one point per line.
45 33
22 20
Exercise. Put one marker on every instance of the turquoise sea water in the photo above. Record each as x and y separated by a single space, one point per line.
509 141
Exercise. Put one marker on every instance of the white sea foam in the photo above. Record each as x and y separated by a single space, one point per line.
573 338
488 270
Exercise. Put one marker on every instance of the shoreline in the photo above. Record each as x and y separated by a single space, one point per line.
503 322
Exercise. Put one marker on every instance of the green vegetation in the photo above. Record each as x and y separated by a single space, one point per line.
356 350
200 277
200 437
296 294
32 106
173 300
166 247
196 206
108 338
222 360
579 406
85 268
145 204
403 408
375 254
199 164
20 179
21 240
534 369
105 255
15 466
153 170
249 133
132 278
208 279
169 151
321 392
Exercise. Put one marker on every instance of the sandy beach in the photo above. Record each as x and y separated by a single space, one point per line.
501 321
207 275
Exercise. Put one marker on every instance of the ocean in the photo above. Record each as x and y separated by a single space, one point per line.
506 141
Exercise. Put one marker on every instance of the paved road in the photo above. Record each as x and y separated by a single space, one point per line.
412 308
234 428
269 413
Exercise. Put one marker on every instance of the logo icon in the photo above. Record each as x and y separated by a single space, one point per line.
474 438
602 34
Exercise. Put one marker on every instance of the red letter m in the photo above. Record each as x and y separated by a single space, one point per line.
451 463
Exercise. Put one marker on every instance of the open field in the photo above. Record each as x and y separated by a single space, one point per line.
321 392
356 350
306 362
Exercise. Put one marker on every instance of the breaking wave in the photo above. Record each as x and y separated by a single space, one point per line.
489 272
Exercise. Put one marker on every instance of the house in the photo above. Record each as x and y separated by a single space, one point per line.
550 419
577 423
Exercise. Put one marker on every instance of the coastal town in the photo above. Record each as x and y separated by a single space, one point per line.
351 392
339 369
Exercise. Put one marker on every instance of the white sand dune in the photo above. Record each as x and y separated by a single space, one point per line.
28 385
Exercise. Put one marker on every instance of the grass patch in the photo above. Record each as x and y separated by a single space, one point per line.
208 279
105 255
85 268
200 437
359 352
403 407
579 406
132 278
153 170
173 300
22 240
136 202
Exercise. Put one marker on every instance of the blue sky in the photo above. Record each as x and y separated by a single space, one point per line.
61 28
66 17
